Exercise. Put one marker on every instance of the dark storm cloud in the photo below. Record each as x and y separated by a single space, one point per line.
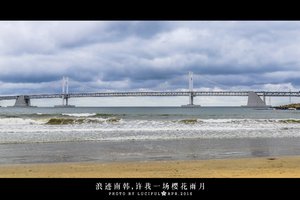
28 78
133 55
138 29
117 31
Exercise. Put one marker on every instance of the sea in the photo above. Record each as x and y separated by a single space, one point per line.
112 134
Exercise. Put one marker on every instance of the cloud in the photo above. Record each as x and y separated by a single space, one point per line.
133 55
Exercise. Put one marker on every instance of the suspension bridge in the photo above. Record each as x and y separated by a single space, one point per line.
255 98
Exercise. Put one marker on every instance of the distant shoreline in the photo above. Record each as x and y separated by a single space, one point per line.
293 106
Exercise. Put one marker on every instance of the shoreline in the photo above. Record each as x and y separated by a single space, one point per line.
259 167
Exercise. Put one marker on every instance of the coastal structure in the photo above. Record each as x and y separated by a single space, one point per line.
191 94
255 98
255 101
65 93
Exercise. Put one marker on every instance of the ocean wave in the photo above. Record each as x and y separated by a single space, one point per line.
238 121
105 115
28 116
188 121
142 123
65 121
68 129
233 121
74 115
95 115
18 121
293 121
138 135
79 114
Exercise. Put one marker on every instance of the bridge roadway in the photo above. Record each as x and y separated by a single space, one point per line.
169 93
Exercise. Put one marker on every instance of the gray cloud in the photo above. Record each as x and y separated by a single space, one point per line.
133 55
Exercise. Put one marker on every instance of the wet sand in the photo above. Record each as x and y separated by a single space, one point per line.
147 150
267 167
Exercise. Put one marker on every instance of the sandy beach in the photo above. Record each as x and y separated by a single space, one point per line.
268 167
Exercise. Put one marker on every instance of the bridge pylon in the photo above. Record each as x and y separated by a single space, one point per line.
191 93
65 93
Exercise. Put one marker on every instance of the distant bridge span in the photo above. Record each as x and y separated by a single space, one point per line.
24 100
254 99
169 93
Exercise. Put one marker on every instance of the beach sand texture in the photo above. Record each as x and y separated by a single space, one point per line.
269 167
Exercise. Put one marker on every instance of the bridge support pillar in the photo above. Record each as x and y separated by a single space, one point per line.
255 101
22 101
67 101
191 101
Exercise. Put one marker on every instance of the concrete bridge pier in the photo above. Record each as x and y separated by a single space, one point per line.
22 101
191 99
255 101
66 101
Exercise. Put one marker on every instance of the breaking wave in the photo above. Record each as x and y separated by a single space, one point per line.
63 121
95 118
79 114
290 121
101 127
18 121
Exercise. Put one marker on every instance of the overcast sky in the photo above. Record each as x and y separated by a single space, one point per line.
133 55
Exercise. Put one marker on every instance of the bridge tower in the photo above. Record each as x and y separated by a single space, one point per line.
65 93
65 90
191 92
191 85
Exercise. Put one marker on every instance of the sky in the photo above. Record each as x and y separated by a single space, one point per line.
100 56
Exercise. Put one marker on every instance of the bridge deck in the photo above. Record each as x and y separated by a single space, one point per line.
170 93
